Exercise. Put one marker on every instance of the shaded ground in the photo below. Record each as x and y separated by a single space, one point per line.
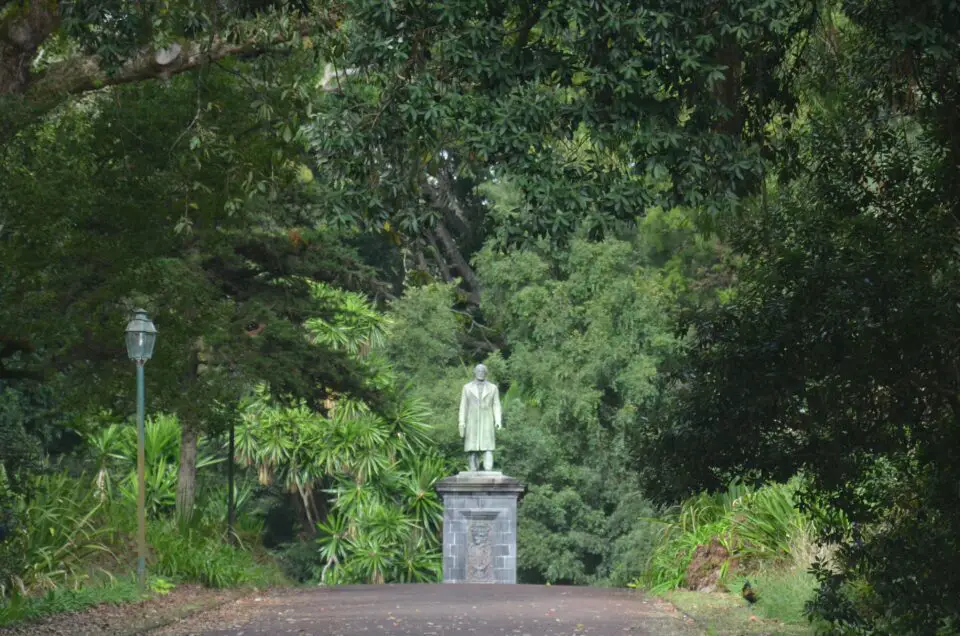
727 614
435 610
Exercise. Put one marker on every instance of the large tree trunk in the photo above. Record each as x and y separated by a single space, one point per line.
187 476
305 502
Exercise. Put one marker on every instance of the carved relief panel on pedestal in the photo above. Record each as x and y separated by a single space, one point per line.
480 551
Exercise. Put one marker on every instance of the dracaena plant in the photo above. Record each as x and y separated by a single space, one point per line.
113 448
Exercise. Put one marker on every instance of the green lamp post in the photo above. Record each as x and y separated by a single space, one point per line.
141 336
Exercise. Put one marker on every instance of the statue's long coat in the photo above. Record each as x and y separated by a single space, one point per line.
479 415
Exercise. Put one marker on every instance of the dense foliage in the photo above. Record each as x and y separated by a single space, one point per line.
364 479
694 242
836 355
588 107
587 331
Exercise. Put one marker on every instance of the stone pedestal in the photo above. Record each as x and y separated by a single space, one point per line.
480 527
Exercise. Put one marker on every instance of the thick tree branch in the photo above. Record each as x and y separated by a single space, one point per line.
442 196
445 188
438 257
24 30
532 16
85 74
459 262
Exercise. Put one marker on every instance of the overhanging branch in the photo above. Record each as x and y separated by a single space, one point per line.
85 74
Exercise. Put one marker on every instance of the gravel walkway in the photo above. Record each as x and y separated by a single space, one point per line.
435 610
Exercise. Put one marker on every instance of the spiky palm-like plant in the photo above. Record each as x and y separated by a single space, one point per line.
376 467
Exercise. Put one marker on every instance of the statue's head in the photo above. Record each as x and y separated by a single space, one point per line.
480 372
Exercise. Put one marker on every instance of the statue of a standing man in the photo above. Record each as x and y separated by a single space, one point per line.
479 416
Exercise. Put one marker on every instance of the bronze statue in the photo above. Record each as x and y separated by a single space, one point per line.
479 418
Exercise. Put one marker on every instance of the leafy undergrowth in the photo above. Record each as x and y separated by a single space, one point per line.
713 543
23 611
754 529
75 549
24 608
192 555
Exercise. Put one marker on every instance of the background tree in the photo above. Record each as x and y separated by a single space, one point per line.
835 356
582 336
194 230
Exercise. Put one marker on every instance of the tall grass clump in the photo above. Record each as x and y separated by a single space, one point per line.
60 539
74 528
69 535
758 527
191 555
201 551
783 592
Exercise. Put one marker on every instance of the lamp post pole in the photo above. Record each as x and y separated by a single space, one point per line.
141 483
231 504
141 335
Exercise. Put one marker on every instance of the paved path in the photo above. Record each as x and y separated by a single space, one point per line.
441 610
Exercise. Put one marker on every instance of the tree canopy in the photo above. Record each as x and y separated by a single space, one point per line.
694 241
596 111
